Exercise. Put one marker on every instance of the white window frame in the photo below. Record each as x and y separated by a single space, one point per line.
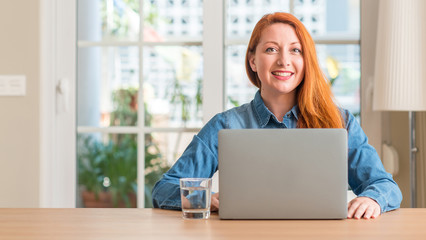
58 181
57 121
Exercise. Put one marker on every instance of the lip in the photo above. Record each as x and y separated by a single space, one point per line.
283 78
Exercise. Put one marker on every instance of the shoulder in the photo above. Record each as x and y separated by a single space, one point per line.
244 116
356 135
348 118
238 111
230 115
237 117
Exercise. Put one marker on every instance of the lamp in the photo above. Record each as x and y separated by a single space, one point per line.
400 67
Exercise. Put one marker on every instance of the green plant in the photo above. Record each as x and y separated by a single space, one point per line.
155 167
110 167
180 98
90 165
234 102
110 164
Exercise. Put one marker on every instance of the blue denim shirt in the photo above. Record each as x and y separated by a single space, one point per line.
366 174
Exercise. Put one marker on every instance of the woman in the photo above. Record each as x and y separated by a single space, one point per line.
293 93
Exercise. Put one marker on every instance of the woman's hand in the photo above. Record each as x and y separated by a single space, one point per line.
364 207
215 203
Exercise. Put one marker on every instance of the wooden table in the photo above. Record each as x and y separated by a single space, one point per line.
165 224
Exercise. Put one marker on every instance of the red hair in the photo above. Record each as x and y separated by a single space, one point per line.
314 96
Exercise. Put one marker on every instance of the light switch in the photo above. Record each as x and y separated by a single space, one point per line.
12 85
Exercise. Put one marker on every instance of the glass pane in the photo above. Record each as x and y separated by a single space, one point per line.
173 20
108 20
329 17
239 89
172 86
108 81
242 15
341 65
107 170
161 152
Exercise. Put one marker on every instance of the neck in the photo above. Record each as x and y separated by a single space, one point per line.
279 104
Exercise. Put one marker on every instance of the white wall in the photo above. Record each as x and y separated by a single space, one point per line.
370 120
19 117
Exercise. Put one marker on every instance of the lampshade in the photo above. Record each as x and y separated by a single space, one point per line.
400 67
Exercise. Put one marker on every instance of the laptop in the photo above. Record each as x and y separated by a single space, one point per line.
283 173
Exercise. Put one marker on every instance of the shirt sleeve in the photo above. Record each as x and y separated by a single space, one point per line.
367 176
199 160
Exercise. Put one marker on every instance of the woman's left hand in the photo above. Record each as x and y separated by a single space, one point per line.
364 207
215 203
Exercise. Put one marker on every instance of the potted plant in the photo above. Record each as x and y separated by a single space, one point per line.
107 173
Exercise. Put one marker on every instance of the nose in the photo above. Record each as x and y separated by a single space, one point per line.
283 59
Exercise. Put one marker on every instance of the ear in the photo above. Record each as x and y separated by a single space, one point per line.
252 64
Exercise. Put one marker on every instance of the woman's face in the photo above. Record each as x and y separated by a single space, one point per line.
278 60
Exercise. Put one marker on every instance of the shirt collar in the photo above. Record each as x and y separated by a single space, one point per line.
263 113
294 110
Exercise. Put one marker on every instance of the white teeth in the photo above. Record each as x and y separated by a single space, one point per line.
283 74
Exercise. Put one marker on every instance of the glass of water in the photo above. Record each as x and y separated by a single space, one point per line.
195 195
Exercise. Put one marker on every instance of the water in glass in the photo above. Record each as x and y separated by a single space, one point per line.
196 202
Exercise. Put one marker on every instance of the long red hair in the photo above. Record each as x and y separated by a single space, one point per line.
314 96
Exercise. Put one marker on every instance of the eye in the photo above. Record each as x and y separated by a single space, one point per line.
270 50
297 50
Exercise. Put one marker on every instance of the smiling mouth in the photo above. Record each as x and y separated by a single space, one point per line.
282 74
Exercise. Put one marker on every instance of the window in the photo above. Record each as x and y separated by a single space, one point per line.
144 66
333 24
140 69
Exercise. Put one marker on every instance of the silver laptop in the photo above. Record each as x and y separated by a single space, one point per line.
283 173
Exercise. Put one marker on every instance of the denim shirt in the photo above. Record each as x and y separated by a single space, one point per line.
366 174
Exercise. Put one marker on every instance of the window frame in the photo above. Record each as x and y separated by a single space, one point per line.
57 123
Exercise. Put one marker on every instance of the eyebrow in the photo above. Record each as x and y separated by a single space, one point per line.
293 43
